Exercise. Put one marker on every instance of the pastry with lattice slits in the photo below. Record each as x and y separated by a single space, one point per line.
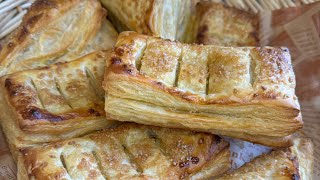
130 151
241 92
56 102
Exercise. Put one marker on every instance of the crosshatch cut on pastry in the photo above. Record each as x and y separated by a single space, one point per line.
131 151
56 102
242 92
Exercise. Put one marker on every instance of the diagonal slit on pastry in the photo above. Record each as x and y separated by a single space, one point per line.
130 151
246 92
56 102
56 31
295 163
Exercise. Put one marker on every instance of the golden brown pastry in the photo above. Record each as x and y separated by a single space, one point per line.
225 26
295 162
56 102
162 18
130 151
246 93
56 31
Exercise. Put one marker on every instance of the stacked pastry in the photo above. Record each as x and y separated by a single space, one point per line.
67 84
60 100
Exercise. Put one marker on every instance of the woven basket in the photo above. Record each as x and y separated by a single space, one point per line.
12 11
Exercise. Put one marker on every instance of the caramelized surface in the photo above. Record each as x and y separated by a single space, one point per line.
130 151
56 102
242 92
227 73
56 93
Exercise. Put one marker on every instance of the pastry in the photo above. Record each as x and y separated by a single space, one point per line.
303 149
130 151
295 162
186 21
245 92
166 19
56 31
56 102
225 26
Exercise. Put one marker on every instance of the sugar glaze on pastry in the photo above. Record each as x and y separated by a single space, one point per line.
242 92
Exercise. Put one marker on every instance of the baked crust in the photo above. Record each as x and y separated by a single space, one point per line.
226 26
237 92
130 151
56 31
187 21
166 19
56 102
279 164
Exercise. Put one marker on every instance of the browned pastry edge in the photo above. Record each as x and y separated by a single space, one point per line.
32 116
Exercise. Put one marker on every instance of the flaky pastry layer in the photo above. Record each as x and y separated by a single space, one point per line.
167 19
238 92
56 31
130 151
57 102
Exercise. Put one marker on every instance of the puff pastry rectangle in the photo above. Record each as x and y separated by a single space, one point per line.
246 93
226 26
56 31
295 162
57 102
130 151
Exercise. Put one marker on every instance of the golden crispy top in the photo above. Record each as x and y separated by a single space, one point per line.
207 74
130 151
58 92
56 31
226 26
